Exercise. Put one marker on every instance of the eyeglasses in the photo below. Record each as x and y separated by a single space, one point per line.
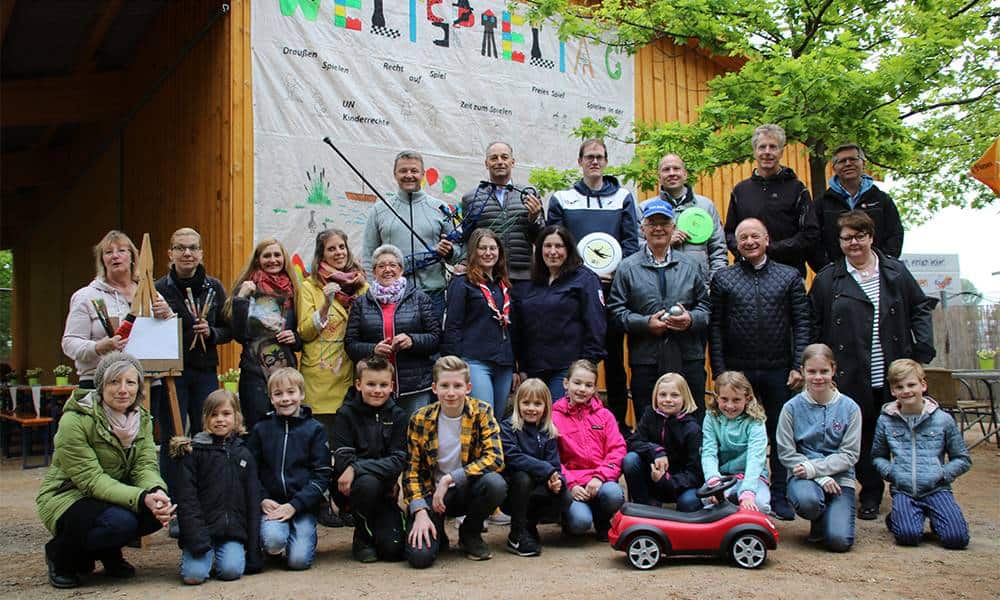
182 249
593 158
656 225
388 265
847 160
857 237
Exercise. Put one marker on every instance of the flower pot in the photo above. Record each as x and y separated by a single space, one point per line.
987 364
231 386
62 380
33 381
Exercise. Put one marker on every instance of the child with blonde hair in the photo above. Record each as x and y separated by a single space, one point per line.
535 485
664 458
217 496
734 442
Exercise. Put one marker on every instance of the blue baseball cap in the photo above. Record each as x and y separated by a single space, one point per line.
657 207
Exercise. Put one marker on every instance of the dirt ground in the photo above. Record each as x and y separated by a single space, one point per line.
581 569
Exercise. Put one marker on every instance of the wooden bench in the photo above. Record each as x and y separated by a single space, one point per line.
28 423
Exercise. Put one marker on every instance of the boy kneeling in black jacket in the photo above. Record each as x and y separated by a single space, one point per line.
369 440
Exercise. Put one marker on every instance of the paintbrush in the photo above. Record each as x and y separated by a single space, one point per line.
102 316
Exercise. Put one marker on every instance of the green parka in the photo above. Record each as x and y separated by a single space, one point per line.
89 462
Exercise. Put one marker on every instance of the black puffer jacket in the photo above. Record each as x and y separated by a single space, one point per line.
517 231
760 318
679 439
878 205
217 495
782 202
372 440
415 317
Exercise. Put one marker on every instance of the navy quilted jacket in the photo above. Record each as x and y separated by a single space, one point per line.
758 318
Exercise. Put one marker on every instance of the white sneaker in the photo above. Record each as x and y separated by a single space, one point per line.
461 519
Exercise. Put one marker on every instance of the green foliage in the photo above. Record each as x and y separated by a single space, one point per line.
6 282
916 84
550 179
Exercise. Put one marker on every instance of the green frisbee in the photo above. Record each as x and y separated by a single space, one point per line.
697 223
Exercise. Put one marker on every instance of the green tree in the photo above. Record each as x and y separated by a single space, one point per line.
915 83
6 284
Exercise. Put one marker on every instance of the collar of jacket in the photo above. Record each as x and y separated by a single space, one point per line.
411 197
648 262
304 413
569 407
784 174
356 402
892 408
688 197
89 405
888 269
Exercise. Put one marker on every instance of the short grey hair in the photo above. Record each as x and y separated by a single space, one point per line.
494 143
387 249
847 146
413 154
112 366
770 130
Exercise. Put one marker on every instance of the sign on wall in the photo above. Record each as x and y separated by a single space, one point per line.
442 78
935 273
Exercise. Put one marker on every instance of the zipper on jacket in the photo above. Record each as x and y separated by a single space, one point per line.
913 458
229 468
284 448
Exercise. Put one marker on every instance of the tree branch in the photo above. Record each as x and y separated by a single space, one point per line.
987 92
812 28
964 9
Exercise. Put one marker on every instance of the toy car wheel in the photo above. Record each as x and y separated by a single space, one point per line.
643 552
748 551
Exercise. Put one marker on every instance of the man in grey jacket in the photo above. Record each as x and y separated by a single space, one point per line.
420 218
710 254
659 297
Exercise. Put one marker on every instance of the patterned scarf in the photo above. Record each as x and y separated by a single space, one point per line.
349 281
124 425
389 294
275 285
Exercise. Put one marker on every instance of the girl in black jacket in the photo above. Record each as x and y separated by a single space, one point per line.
664 458
536 488
218 503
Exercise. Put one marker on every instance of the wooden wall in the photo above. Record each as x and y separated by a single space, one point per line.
186 159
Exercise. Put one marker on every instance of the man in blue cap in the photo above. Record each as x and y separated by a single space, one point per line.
659 297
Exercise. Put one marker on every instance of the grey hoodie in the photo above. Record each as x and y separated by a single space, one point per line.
83 329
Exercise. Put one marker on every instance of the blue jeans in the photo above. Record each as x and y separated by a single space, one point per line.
296 537
641 486
906 519
412 402
554 379
192 388
579 516
491 384
229 559
832 516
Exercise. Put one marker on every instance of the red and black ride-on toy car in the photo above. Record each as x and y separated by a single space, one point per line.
647 533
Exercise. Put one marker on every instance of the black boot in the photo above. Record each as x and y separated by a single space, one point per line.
115 565
59 577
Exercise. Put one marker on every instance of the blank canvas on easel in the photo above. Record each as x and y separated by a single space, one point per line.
156 343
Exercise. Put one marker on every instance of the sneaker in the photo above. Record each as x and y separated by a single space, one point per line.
523 545
815 533
601 533
117 567
533 532
781 510
328 518
475 548
60 579
362 549
461 519
499 518
868 512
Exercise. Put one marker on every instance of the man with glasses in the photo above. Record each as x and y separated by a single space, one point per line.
851 189
775 195
597 202
660 299
200 335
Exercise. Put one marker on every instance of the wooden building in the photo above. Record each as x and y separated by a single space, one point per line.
137 115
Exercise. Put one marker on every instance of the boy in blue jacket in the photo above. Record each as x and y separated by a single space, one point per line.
293 465
912 439
369 441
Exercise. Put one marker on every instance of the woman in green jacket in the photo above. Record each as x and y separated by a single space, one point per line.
103 489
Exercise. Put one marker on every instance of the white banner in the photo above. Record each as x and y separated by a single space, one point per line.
442 78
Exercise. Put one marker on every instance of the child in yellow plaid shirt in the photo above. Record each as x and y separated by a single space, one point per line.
455 457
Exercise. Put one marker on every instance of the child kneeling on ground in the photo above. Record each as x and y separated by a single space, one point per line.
369 441
535 485
664 459
919 450
217 495
591 449
455 459
293 465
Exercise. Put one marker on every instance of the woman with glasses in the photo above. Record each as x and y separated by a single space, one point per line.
396 320
200 335
869 309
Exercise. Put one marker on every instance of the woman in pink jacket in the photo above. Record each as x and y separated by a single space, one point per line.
591 449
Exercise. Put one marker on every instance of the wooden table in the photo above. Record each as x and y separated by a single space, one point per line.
27 423
989 379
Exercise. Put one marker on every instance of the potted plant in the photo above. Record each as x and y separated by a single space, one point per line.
62 373
33 376
231 380
987 359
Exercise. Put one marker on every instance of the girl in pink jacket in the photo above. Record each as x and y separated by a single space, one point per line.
591 449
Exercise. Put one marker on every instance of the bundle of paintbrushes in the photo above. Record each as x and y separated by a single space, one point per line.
102 315
199 313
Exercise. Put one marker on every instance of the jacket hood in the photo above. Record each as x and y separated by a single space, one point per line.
565 406
866 184
783 174
892 408
610 187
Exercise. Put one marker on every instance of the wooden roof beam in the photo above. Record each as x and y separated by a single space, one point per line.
106 15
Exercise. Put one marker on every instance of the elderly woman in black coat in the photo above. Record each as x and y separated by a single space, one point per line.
396 320
869 309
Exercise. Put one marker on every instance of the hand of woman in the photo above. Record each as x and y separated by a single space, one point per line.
161 310
246 288
285 336
402 342
200 327
109 344
330 289
384 348
160 506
